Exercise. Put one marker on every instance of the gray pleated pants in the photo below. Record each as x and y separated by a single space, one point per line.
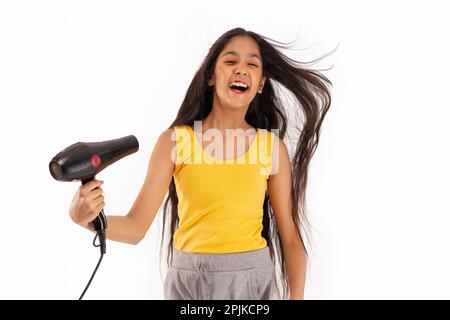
231 276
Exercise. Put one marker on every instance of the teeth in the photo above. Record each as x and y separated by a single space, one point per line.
239 84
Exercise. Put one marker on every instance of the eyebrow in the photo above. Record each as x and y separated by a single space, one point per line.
251 55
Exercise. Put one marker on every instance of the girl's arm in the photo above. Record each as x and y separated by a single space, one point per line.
279 188
133 227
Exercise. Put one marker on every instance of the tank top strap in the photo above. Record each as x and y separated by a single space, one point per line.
265 148
183 146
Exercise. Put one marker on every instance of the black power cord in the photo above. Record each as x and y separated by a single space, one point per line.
100 224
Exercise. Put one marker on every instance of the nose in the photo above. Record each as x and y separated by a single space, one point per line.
240 70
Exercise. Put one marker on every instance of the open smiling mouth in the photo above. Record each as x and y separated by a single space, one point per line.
239 87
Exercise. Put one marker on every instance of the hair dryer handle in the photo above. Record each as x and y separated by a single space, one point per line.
100 222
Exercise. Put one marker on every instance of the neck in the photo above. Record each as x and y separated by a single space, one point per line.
223 118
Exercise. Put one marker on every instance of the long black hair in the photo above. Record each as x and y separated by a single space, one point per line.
266 111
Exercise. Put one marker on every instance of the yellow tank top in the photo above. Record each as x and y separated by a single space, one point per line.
220 201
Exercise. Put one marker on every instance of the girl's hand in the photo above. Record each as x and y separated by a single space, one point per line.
87 203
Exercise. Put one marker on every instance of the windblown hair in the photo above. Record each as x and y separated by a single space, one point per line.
266 111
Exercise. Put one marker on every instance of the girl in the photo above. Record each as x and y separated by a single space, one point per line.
235 218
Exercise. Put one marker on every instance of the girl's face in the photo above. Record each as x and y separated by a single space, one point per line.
239 62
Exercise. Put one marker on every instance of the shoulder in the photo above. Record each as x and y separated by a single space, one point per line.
170 135
172 141
164 144
167 137
279 143
274 140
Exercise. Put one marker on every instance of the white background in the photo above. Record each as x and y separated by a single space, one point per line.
96 70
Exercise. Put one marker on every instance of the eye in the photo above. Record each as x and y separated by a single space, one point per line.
232 62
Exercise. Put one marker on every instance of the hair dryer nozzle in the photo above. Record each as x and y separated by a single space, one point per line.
84 160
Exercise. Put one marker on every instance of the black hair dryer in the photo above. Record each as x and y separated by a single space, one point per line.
82 161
